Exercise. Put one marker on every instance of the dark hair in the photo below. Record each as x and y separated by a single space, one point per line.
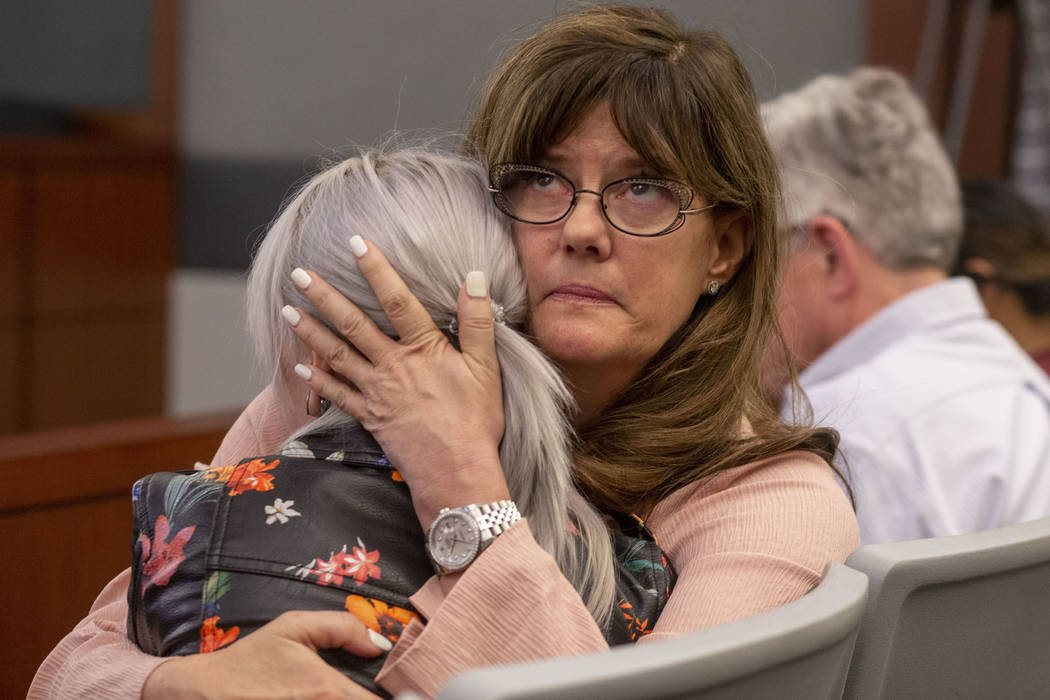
1007 231
684 102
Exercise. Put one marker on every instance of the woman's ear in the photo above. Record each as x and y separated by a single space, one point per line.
732 241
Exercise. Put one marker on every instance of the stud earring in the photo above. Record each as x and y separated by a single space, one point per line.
712 287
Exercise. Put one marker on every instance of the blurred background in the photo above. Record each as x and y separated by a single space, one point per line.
146 144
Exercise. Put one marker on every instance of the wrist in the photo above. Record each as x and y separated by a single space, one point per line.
473 480
163 681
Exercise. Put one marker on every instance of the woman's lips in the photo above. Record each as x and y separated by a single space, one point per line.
581 294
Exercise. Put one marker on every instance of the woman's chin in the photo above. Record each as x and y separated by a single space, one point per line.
573 345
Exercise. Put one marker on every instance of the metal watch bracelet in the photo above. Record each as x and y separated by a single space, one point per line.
493 518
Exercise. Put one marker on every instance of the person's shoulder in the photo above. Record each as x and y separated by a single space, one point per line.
797 467
789 505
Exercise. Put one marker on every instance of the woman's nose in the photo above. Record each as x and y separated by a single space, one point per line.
585 229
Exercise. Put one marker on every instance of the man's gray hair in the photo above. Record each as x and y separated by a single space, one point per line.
862 148
430 214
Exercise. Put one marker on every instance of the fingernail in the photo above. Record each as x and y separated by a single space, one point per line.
380 641
291 315
303 371
357 246
476 286
301 279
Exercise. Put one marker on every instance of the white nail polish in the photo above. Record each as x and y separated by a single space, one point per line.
476 286
380 641
303 371
301 279
291 315
357 246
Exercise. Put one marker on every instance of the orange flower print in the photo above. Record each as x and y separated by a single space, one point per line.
637 628
359 563
249 476
388 620
214 637
160 558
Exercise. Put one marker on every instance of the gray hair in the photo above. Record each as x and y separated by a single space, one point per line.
862 148
431 216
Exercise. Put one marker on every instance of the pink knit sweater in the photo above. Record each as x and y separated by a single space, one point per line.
747 540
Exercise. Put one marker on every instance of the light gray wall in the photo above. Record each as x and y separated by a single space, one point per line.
273 79
268 85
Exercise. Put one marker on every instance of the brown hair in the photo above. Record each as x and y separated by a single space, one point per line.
683 101
1006 230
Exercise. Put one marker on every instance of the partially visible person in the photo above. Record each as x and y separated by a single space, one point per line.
945 423
629 155
1006 251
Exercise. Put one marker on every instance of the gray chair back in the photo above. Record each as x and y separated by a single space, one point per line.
956 617
799 650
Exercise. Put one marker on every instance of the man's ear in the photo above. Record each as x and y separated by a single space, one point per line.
732 241
837 251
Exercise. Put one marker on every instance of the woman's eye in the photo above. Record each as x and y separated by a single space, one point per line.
542 181
646 192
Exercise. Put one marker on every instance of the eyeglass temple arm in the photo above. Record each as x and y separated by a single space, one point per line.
697 211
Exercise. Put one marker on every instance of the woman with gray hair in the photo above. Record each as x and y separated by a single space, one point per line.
330 483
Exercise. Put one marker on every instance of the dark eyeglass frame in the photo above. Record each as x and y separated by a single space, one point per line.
684 193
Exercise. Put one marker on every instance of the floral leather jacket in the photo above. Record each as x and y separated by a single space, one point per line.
327 524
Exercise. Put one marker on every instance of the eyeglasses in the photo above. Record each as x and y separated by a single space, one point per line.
637 206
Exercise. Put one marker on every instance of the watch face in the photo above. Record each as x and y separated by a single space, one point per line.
454 539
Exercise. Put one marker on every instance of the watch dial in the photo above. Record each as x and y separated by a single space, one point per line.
454 540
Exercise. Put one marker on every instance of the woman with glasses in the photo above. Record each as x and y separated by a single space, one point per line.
1006 250
630 157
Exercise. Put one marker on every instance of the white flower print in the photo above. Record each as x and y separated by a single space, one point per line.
280 512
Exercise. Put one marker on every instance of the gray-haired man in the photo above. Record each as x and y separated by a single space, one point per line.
945 422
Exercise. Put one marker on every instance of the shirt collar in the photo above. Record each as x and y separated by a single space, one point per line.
942 304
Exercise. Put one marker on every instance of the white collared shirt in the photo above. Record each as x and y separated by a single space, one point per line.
945 421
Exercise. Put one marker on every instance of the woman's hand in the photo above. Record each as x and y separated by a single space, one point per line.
279 660
437 412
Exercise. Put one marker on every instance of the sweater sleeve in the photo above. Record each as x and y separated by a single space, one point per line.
745 541
96 659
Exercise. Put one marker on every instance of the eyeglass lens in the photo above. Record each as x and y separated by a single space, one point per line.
640 205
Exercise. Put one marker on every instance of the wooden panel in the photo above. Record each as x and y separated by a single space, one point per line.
58 562
11 212
93 368
989 131
56 467
894 40
104 237
65 522
9 371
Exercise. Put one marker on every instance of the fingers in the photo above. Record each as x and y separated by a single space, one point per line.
410 319
330 629
332 350
476 325
324 385
349 320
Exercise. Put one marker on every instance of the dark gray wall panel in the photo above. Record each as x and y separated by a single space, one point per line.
226 205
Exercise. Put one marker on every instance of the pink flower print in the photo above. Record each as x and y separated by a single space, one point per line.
161 558
359 564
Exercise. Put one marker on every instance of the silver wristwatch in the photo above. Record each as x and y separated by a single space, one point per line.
458 535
